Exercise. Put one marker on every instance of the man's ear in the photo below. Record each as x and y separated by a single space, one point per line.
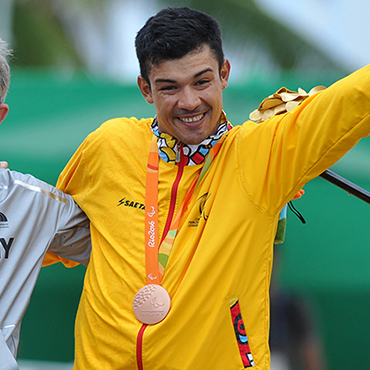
4 109
225 73
145 89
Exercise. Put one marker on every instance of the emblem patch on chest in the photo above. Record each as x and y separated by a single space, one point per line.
201 204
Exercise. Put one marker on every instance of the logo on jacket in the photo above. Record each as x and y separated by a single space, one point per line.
202 208
130 203
3 221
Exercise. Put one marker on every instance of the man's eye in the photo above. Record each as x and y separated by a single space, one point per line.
168 88
202 82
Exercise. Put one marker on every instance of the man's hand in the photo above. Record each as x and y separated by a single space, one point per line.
3 164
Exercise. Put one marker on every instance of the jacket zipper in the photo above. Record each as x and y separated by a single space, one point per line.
175 187
139 347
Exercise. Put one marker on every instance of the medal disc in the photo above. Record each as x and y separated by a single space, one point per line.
151 304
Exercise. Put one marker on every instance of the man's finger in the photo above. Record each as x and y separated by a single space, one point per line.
3 164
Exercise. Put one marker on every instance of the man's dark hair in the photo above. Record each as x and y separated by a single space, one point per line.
174 32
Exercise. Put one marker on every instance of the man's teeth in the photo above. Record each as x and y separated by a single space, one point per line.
193 119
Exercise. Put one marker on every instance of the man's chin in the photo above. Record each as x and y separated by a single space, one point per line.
193 140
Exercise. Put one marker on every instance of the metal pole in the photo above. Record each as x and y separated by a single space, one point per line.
346 185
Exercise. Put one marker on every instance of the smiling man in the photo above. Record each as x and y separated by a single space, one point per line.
187 94
183 282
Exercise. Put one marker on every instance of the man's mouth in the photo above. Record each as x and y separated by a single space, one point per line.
192 119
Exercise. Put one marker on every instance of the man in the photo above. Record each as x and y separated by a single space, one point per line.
184 208
34 217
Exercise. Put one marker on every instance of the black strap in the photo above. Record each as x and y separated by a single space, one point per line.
296 212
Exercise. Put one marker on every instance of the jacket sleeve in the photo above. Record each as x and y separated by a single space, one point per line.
279 156
72 240
72 180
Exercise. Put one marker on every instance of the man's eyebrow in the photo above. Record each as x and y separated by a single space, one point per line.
164 80
204 71
169 81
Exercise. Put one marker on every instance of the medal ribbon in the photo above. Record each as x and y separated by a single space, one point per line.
157 256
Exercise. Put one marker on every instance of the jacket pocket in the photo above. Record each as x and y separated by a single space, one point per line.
240 333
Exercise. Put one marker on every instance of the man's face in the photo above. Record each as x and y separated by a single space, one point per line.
187 95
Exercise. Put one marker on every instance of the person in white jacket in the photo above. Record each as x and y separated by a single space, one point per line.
34 218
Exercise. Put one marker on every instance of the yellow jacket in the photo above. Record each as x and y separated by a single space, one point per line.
219 269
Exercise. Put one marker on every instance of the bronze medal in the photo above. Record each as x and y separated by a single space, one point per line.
151 304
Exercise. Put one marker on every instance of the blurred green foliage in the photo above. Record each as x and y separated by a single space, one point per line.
39 37
42 37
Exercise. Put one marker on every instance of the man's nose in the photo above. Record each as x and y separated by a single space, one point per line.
189 99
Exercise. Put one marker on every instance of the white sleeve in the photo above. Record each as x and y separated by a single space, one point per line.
72 240
43 217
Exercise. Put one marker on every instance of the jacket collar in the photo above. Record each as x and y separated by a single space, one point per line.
169 146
